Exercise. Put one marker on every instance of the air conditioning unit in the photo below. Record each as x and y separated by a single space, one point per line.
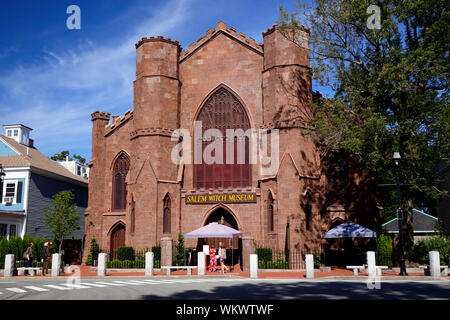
8 200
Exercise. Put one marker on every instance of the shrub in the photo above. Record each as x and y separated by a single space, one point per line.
156 252
180 252
93 252
435 243
317 258
264 254
384 250
125 253
272 264
4 249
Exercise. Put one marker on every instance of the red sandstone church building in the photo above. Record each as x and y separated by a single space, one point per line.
137 195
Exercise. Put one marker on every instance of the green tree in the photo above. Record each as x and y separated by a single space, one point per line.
4 249
180 255
65 153
384 250
390 89
61 216
61 156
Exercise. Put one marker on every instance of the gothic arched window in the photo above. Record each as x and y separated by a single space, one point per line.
224 111
166 215
270 214
120 171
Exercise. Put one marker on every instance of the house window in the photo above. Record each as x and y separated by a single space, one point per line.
166 215
224 111
9 192
9 132
16 132
78 171
3 228
121 167
270 214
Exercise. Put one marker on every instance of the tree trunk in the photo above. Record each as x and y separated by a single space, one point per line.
60 244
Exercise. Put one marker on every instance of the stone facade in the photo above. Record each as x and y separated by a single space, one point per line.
273 84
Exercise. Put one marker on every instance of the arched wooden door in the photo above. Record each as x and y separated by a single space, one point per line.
117 240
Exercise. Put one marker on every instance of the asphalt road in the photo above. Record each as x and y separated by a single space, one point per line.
201 288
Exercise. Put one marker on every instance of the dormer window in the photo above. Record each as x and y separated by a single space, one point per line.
9 133
16 132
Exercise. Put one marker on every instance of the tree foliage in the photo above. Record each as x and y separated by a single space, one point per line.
390 89
64 154
61 216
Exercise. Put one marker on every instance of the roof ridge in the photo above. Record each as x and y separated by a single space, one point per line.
221 27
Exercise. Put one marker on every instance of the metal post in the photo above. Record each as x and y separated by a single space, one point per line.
400 220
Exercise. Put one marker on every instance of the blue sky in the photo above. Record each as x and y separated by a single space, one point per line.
53 78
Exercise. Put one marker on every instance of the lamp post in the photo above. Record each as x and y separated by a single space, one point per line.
2 175
399 216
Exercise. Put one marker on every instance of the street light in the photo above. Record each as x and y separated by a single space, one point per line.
2 175
397 158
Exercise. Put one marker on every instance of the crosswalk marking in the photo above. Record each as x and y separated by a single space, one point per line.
93 284
148 281
17 290
36 288
128 282
110 284
57 287
136 282
75 286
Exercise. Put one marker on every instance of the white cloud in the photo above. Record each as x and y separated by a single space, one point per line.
56 95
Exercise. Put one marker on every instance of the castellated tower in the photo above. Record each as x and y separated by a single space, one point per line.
155 116
287 92
286 78
156 103
95 208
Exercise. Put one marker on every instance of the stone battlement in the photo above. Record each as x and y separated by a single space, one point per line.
221 27
276 27
100 115
117 121
160 39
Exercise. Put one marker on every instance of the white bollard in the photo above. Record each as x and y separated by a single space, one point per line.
9 265
370 258
435 266
101 268
149 257
309 260
253 266
201 263
56 262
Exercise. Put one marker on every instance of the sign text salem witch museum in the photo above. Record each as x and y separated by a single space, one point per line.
224 198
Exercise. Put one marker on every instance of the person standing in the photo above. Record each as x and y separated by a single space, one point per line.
222 259
45 257
212 260
28 256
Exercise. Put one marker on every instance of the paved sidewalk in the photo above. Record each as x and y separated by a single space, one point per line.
335 273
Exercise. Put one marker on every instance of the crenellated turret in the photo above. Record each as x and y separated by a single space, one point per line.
156 88
286 78
156 102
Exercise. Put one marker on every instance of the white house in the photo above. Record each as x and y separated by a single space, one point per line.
77 168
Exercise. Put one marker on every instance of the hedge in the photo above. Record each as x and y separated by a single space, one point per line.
130 264
434 243
125 253
384 250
